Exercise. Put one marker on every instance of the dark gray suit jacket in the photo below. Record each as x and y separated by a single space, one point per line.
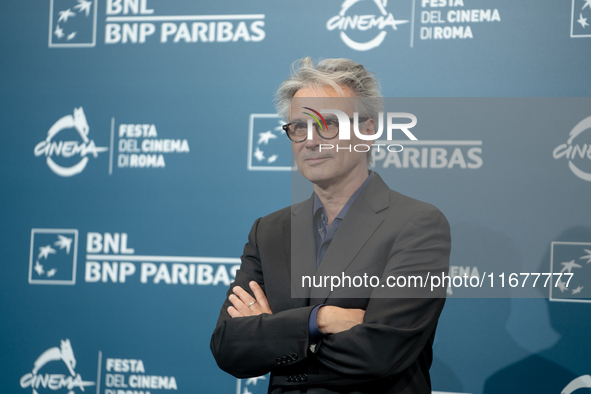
384 233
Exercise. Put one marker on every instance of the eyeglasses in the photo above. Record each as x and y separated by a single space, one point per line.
298 131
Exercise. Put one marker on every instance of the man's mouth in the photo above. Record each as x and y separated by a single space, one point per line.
318 159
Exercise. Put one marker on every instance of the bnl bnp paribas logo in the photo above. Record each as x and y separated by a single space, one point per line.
580 19
52 258
73 24
268 149
364 25
110 259
252 385
577 149
572 258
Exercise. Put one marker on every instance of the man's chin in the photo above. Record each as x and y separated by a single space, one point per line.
315 173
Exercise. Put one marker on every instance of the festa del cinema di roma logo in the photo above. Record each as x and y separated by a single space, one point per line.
78 150
55 381
53 371
382 22
574 150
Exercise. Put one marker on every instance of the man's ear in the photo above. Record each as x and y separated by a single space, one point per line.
369 127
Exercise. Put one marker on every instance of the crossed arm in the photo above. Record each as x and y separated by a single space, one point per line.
384 339
330 319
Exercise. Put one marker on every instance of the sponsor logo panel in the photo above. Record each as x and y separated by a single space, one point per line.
68 148
452 19
580 19
111 259
431 154
52 259
577 150
74 24
366 25
268 147
54 370
140 146
256 385
571 258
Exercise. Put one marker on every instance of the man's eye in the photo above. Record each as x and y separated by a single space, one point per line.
299 126
332 122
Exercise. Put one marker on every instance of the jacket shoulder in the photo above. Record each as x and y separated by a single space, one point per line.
380 196
281 216
411 204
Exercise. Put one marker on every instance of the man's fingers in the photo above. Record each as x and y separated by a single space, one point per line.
243 294
256 306
233 312
260 296
246 304
239 305
249 306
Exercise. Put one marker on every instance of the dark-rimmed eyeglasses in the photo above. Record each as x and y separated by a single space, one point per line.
298 131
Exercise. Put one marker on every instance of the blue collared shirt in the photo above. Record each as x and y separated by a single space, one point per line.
324 235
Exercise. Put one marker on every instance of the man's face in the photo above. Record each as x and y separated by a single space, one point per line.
327 167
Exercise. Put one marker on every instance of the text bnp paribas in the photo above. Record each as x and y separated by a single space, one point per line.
137 22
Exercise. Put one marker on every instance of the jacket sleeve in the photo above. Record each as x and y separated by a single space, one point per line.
395 328
254 345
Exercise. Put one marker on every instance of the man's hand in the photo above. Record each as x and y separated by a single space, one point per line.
332 319
245 305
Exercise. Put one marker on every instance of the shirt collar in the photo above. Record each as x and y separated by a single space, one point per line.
318 204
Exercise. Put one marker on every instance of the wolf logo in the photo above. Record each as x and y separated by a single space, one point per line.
55 381
78 121
64 353
67 149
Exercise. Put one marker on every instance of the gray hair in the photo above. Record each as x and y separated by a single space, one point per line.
336 73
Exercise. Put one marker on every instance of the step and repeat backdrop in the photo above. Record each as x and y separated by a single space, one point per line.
140 142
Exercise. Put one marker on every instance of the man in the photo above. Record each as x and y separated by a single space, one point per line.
360 339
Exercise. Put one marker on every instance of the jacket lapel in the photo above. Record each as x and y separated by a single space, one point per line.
362 220
302 253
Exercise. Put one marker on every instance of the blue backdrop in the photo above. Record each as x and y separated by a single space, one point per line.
131 176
